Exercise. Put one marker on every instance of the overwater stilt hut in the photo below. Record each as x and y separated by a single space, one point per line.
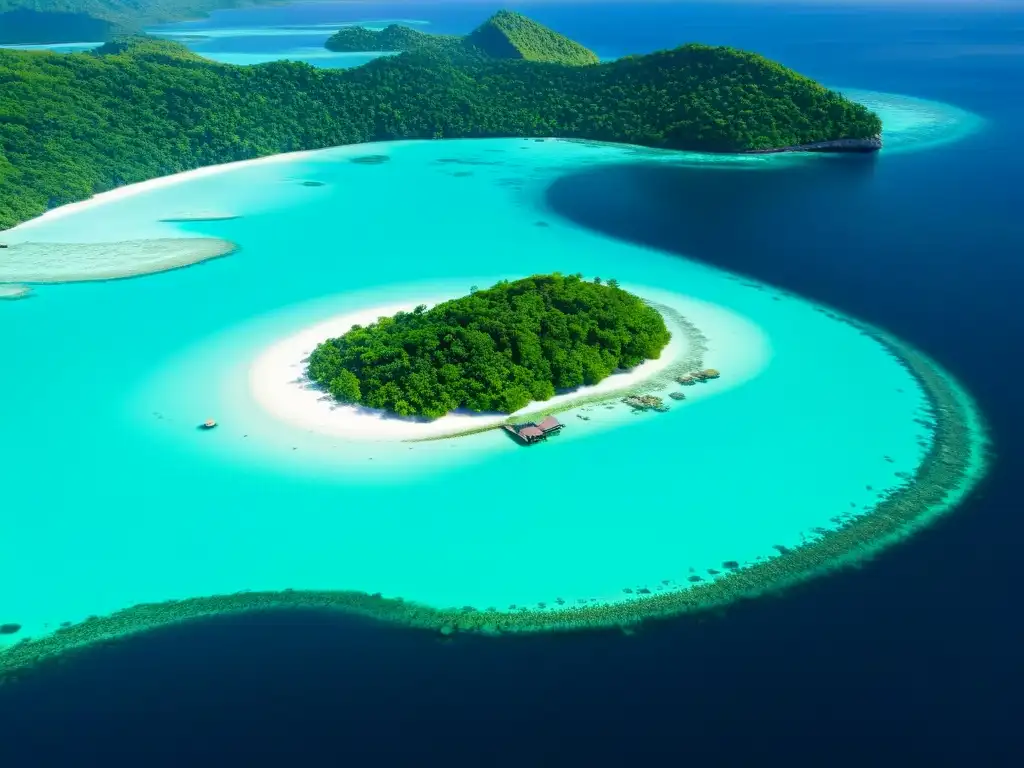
531 433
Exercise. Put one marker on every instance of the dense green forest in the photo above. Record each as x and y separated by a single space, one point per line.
510 35
493 350
52 21
506 35
394 37
72 125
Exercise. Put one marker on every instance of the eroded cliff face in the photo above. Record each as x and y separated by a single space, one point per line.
836 145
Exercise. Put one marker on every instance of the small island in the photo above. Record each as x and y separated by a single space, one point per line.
495 350
506 35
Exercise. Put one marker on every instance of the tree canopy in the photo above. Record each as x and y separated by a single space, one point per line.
393 38
72 125
510 35
493 350
506 35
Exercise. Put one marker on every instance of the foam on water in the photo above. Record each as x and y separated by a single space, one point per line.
819 422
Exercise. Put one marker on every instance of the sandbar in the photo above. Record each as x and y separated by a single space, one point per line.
11 292
279 383
31 262
184 216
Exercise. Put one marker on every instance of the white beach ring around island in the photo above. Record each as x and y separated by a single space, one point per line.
279 383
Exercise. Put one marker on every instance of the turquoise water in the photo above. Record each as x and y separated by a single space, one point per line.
248 45
121 500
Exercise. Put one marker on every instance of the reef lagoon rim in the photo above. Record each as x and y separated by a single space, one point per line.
796 469
953 464
280 385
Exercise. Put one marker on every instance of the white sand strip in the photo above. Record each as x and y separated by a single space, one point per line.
184 216
81 262
146 186
11 292
279 384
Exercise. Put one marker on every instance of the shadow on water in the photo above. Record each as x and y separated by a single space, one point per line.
859 233
794 226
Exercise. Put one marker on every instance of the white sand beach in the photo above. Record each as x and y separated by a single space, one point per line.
279 384
129 190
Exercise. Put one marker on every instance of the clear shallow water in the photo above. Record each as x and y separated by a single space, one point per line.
296 33
818 423
912 639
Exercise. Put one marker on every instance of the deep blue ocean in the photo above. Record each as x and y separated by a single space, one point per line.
905 661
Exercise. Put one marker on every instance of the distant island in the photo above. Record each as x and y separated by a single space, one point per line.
506 35
696 97
73 21
494 350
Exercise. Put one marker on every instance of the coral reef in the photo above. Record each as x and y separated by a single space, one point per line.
953 464
645 403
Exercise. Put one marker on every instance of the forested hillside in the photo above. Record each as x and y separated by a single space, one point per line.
75 124
506 35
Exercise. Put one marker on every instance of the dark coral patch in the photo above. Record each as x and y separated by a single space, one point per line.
370 159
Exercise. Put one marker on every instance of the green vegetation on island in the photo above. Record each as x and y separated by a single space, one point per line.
70 21
395 38
509 35
506 35
77 124
493 350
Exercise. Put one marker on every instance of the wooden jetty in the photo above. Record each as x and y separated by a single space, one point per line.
531 433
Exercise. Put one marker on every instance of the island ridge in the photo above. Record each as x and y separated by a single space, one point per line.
704 98
506 35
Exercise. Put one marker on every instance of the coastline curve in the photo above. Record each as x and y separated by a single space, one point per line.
953 465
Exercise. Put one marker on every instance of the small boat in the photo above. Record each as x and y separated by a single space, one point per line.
209 424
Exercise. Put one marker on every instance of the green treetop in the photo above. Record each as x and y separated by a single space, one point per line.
393 38
509 35
506 35
493 350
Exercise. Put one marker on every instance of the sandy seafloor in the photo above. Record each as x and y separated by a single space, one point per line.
112 496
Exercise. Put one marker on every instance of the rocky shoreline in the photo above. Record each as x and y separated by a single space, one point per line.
836 145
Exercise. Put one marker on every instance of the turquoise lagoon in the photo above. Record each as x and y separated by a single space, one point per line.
114 498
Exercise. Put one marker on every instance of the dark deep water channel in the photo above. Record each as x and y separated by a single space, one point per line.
913 659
